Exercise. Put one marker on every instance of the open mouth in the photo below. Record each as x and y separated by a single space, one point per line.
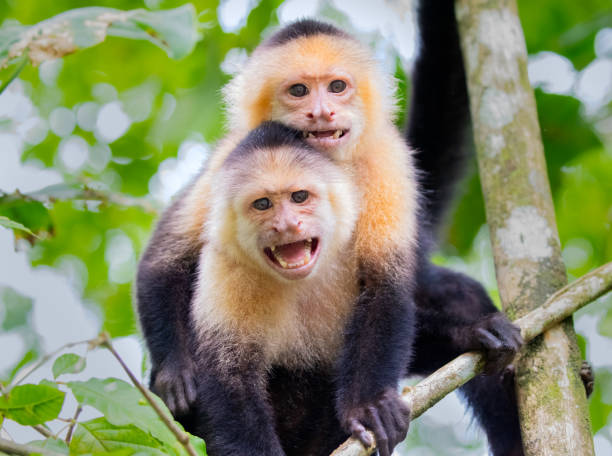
325 138
335 134
293 260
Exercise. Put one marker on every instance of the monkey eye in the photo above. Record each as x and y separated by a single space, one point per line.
337 86
262 204
298 90
300 196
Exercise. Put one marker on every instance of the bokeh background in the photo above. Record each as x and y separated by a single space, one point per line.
131 126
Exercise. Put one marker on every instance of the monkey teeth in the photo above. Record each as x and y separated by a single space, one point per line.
293 255
335 134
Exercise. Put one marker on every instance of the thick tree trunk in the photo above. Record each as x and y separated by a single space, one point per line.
520 214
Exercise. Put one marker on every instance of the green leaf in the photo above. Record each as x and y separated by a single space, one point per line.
122 405
68 363
32 404
31 214
57 446
198 444
12 225
17 308
100 436
175 31
564 26
32 354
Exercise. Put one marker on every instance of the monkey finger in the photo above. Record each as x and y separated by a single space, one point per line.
170 403
376 426
510 337
359 432
588 377
488 340
190 388
518 339
394 428
401 416
179 394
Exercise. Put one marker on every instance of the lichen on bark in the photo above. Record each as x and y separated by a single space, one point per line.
520 214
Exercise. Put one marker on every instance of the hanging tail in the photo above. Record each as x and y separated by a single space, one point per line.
439 119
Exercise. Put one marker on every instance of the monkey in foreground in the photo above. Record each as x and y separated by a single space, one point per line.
408 315
277 278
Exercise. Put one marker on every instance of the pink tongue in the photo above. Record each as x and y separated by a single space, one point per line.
291 253
323 134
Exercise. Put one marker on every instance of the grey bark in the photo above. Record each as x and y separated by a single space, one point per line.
529 268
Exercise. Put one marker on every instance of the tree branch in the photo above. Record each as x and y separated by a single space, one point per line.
180 435
59 192
558 307
9 447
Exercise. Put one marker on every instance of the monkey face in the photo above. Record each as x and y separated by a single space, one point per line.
327 87
323 106
286 228
283 210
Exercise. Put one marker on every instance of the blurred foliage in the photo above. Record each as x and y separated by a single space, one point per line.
129 424
93 225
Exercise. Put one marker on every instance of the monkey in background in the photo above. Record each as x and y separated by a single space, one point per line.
320 81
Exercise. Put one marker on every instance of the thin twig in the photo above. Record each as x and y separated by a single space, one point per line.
43 430
22 376
9 447
451 376
180 435
74 421
83 191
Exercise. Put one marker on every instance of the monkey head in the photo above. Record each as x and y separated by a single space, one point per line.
317 80
282 207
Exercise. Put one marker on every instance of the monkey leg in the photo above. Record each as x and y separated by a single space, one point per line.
493 402
455 315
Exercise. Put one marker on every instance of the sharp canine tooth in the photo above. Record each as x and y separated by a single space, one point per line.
304 134
273 248
281 262
310 135
337 134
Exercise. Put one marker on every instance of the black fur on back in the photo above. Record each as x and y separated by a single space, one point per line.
303 28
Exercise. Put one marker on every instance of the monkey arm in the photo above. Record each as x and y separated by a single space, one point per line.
455 315
164 299
164 289
378 344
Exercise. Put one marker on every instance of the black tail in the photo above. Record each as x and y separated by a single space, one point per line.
438 127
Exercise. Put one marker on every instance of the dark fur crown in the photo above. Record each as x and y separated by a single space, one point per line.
269 135
303 28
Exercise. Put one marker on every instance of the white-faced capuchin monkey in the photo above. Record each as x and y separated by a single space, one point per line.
277 278
334 373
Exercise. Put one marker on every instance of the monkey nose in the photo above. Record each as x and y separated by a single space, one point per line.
294 226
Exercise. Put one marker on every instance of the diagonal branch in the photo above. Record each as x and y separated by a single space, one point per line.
180 435
451 376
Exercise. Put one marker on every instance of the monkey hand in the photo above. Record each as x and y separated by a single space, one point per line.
588 377
175 384
387 416
498 338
